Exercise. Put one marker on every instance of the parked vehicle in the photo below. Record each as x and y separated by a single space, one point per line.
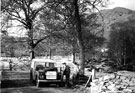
46 70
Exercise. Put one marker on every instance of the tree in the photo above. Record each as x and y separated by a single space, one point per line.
26 13
68 11
7 44
71 11
55 26
13 46
121 44
92 34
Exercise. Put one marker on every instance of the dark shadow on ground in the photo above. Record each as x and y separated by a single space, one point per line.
25 83
15 83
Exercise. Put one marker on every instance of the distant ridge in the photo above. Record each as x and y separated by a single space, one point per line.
117 14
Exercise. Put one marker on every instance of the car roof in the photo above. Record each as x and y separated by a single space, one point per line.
43 60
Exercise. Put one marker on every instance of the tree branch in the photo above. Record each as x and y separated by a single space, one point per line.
38 41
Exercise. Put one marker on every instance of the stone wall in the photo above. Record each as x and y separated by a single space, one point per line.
118 82
15 75
15 79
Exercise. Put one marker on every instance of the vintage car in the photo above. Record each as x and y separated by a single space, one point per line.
46 70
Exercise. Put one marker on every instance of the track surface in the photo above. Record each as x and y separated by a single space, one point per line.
34 89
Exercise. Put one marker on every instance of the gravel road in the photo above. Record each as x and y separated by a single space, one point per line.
34 89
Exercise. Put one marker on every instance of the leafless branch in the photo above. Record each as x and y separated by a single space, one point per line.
38 41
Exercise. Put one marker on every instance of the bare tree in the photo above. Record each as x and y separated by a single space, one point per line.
26 12
71 11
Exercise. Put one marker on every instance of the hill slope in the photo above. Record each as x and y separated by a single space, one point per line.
117 14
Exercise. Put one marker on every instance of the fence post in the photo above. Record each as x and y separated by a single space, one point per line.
91 77
93 73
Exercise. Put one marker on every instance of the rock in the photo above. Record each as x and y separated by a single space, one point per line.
102 83
131 83
127 90
113 83
126 73
125 84
101 79
95 80
95 89
126 80
132 88
117 77
114 92
112 87
133 80
88 90
112 76
118 82
103 87
106 77
122 77
93 84
130 78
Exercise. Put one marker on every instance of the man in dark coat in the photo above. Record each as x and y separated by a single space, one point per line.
67 74
10 65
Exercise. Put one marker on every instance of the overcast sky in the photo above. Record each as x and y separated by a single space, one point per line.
130 4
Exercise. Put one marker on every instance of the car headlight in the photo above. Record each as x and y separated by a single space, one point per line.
41 75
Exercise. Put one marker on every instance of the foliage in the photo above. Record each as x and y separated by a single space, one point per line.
92 33
52 47
26 12
13 46
122 42
7 44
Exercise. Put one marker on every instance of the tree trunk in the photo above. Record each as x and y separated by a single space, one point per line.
32 54
50 53
31 42
81 50
73 56
79 35
73 52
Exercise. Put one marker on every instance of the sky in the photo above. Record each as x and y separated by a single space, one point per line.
130 4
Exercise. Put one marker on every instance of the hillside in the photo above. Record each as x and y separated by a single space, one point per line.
117 14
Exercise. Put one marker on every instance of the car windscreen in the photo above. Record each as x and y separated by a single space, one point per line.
39 65
44 64
49 65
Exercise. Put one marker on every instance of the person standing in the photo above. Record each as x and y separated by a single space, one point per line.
10 65
67 74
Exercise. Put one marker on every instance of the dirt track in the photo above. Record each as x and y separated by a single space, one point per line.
33 89
23 86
